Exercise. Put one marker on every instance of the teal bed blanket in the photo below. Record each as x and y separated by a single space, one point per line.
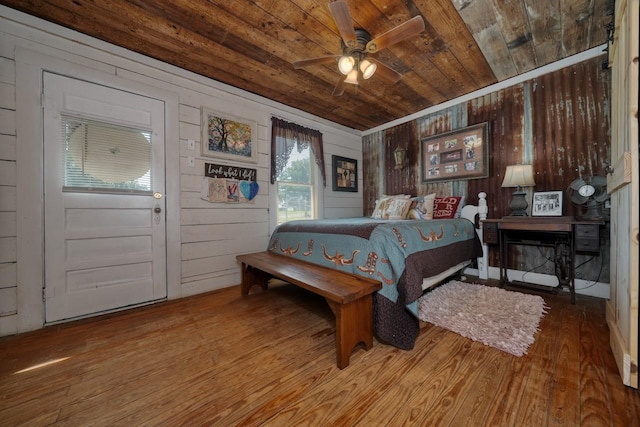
398 253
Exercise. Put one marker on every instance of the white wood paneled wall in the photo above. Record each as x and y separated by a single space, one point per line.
7 184
210 234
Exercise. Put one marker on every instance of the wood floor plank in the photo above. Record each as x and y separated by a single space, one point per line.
443 410
209 396
536 390
42 410
350 391
269 359
620 414
482 389
200 377
513 391
567 370
421 380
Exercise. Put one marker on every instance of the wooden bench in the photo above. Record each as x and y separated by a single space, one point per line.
350 296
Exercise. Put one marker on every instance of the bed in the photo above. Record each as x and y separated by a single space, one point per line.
408 256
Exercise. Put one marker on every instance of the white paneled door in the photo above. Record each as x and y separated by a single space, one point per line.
105 246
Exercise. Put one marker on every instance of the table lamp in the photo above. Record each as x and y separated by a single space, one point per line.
518 176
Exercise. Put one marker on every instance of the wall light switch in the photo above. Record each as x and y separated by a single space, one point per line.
191 144
192 161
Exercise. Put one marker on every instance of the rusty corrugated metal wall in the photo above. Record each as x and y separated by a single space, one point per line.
559 122
372 170
400 181
571 127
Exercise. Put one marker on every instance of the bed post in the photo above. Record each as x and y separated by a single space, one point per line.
483 261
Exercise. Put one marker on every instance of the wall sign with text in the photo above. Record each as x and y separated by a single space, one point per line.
228 184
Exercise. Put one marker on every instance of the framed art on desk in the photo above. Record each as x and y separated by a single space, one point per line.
547 203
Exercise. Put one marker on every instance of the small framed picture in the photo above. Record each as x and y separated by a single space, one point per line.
547 203
345 174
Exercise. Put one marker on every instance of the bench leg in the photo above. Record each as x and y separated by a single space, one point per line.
354 324
252 276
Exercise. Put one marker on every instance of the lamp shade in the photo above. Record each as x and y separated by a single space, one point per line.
368 68
346 64
518 176
352 77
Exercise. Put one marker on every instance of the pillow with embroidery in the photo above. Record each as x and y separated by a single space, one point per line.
397 209
446 207
385 207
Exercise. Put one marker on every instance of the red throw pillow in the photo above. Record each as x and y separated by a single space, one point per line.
445 207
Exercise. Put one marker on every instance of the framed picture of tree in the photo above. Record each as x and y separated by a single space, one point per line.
228 137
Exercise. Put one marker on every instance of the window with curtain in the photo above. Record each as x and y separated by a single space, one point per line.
296 157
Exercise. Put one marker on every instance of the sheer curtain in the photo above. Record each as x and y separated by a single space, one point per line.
286 135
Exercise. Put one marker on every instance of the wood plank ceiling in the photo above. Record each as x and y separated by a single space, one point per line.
251 44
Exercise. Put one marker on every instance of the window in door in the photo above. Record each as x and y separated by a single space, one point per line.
104 157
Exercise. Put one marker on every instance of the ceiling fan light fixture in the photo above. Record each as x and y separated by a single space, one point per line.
368 68
352 77
357 44
346 64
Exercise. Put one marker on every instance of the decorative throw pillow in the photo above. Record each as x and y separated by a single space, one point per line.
446 207
415 202
422 208
383 205
398 209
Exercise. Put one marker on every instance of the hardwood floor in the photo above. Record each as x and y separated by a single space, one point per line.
269 359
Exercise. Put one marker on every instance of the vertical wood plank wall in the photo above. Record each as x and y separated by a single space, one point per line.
559 122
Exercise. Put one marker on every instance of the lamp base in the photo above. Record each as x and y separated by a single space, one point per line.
519 204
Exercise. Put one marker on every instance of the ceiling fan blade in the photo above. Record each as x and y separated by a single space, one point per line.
314 61
412 27
385 71
340 11
339 89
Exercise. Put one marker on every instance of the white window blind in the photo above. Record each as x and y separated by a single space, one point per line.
105 157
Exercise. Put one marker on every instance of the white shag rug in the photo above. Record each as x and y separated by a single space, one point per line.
502 319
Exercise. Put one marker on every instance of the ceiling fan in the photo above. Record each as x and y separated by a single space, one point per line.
355 64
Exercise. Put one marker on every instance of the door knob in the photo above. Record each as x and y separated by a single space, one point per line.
157 209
